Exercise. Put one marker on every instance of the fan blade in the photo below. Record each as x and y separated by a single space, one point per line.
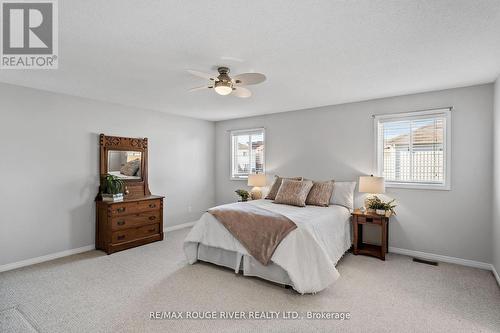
199 88
201 74
246 79
241 92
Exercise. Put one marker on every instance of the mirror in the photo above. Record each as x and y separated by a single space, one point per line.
125 164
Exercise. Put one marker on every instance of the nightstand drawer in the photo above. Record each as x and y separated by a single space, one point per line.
369 219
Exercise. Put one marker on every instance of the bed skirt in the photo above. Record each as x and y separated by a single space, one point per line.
243 263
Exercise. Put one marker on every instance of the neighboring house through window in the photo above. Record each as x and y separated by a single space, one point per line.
413 149
247 152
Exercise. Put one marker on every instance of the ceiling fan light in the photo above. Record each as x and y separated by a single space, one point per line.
223 88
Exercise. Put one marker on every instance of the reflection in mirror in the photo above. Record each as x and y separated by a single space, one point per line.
124 164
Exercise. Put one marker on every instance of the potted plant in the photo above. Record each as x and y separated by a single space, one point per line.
112 188
381 207
243 194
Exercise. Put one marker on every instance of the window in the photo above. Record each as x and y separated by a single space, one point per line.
247 152
413 149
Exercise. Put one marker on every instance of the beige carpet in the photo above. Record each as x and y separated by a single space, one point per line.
93 292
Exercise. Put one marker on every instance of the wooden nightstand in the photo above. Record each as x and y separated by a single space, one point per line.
358 220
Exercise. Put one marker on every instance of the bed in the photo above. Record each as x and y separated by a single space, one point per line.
305 259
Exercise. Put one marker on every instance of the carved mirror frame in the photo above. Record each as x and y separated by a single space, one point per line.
136 187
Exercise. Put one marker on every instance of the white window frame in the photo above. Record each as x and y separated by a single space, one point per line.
231 148
378 151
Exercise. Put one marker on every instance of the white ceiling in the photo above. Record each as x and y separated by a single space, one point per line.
314 53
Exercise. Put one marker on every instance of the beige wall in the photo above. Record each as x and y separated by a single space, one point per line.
338 142
49 171
496 178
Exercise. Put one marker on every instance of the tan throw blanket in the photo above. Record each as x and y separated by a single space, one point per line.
259 230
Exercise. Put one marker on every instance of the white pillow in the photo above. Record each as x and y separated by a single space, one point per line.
343 194
265 191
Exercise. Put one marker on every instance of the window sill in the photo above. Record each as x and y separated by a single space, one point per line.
239 178
413 186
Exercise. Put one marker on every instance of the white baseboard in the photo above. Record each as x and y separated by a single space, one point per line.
438 257
496 274
179 226
52 256
411 253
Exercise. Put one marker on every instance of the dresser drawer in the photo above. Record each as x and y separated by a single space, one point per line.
147 230
134 207
134 220
127 235
123 236
369 219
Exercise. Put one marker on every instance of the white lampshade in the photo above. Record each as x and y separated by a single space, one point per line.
257 180
371 184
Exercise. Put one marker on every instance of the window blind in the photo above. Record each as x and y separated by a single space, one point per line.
412 148
247 152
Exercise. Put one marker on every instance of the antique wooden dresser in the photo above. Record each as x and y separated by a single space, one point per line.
138 219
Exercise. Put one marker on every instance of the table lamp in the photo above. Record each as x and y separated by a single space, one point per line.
257 181
372 185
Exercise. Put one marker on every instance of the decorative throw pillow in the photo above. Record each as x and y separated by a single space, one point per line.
343 194
320 194
293 192
276 186
130 168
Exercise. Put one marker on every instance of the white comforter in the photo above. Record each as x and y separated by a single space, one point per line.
308 254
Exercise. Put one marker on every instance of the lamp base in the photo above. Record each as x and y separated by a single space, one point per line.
256 193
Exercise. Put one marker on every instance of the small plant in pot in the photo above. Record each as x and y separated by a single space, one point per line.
243 194
381 207
112 187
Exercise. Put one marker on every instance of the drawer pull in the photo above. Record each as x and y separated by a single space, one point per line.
120 237
369 219
152 218
120 210
152 205
121 222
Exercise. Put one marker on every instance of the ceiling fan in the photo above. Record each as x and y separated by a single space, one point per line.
223 84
